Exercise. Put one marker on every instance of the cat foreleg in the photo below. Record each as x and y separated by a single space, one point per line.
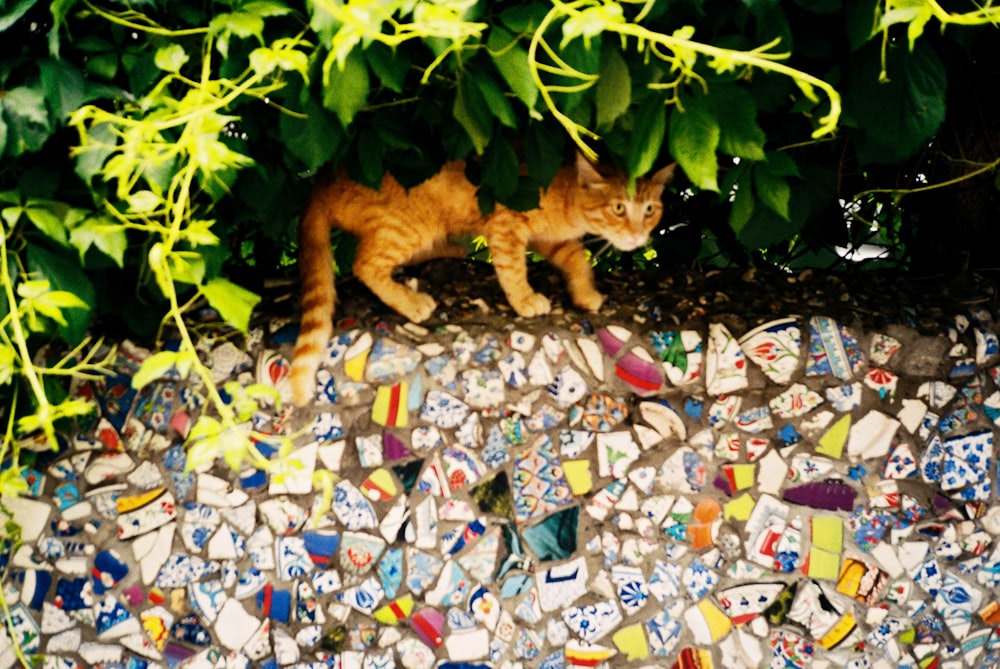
571 259
374 263
511 265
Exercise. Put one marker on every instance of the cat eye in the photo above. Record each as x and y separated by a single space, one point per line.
618 208
650 209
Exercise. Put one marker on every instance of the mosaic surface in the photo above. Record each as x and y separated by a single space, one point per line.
801 493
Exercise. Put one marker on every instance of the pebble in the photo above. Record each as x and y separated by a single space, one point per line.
596 495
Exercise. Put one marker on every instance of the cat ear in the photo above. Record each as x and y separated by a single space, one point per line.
586 174
664 176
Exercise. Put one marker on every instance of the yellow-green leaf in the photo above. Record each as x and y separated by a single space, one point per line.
234 303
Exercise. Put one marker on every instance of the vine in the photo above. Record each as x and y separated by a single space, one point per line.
587 18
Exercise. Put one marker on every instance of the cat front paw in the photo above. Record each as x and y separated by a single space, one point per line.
533 305
590 302
419 308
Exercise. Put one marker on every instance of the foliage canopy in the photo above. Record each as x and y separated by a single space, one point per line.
167 146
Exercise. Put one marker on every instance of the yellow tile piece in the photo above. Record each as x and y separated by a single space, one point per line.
832 443
828 533
380 486
389 408
355 367
744 475
578 476
631 641
739 508
133 502
718 622
823 564
394 611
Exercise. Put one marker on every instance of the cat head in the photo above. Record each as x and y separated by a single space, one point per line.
609 211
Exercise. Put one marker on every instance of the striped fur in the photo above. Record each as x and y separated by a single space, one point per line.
396 227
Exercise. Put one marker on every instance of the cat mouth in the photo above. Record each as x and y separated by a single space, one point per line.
631 243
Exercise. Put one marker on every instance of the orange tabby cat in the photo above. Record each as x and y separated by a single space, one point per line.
396 227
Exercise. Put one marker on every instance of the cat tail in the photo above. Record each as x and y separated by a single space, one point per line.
319 293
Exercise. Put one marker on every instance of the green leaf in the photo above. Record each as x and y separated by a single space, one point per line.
647 136
12 13
171 58
511 61
895 119
64 87
98 146
160 365
101 233
234 303
496 101
694 137
543 152
500 168
614 88
345 89
736 114
241 24
860 18
742 205
28 124
186 267
469 110
314 140
61 269
48 218
772 189
389 65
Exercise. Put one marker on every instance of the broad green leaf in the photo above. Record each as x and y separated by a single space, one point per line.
782 164
160 365
895 119
264 60
511 61
500 168
736 114
48 219
742 205
772 189
143 201
389 65
496 101
647 137
28 124
64 87
11 13
694 137
314 140
543 151
346 88
61 269
860 17
265 8
186 267
234 303
98 145
3 133
240 23
470 113
591 22
171 58
102 233
614 88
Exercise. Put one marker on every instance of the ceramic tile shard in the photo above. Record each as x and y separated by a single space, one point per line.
775 347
